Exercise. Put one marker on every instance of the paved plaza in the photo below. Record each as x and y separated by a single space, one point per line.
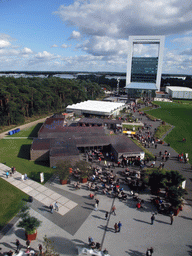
72 227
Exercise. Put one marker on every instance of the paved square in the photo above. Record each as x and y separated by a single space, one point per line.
47 201
41 188
62 200
55 196
63 210
70 204
40 197
33 192
48 192
21 185
27 189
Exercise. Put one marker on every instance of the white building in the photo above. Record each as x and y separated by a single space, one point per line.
179 92
94 107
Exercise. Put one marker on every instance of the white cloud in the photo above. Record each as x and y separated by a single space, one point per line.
26 51
102 46
121 18
4 43
64 46
54 46
75 35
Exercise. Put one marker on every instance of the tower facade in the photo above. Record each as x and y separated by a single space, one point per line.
144 73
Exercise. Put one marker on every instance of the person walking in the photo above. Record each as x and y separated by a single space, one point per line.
28 243
95 207
113 210
97 201
90 240
106 215
116 227
152 218
171 218
149 251
7 174
56 207
17 244
119 226
51 208
40 249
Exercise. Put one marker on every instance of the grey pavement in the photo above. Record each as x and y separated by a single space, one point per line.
137 234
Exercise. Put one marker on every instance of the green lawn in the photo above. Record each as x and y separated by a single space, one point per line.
16 152
179 115
11 199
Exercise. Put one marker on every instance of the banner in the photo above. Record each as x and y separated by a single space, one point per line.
42 177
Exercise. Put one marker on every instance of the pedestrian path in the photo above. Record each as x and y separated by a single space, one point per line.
39 192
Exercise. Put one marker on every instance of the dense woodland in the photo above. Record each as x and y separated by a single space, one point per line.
27 97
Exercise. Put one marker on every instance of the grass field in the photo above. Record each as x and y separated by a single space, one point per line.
16 152
179 115
11 199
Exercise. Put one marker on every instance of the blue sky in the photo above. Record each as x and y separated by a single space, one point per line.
91 35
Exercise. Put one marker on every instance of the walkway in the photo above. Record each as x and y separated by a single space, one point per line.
39 192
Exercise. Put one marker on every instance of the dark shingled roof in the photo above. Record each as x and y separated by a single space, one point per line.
92 141
98 121
123 144
63 148
64 141
58 132
40 144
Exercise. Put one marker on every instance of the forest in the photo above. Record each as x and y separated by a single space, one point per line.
27 97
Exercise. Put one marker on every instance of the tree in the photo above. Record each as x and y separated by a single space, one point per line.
63 168
49 247
174 178
175 195
157 180
29 223
84 167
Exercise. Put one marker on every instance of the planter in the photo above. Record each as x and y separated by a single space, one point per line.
63 182
176 211
83 180
31 237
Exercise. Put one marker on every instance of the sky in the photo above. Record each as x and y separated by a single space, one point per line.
92 35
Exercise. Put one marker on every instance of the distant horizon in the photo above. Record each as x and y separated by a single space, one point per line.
83 72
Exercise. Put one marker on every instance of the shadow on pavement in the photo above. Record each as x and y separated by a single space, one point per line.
8 246
20 233
135 253
107 228
160 221
65 246
142 221
190 252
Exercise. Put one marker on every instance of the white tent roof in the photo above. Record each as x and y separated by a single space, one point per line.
95 106
178 88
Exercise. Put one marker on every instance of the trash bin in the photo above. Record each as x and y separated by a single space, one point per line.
30 199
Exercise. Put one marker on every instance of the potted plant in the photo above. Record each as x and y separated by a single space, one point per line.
29 223
63 171
175 195
85 170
